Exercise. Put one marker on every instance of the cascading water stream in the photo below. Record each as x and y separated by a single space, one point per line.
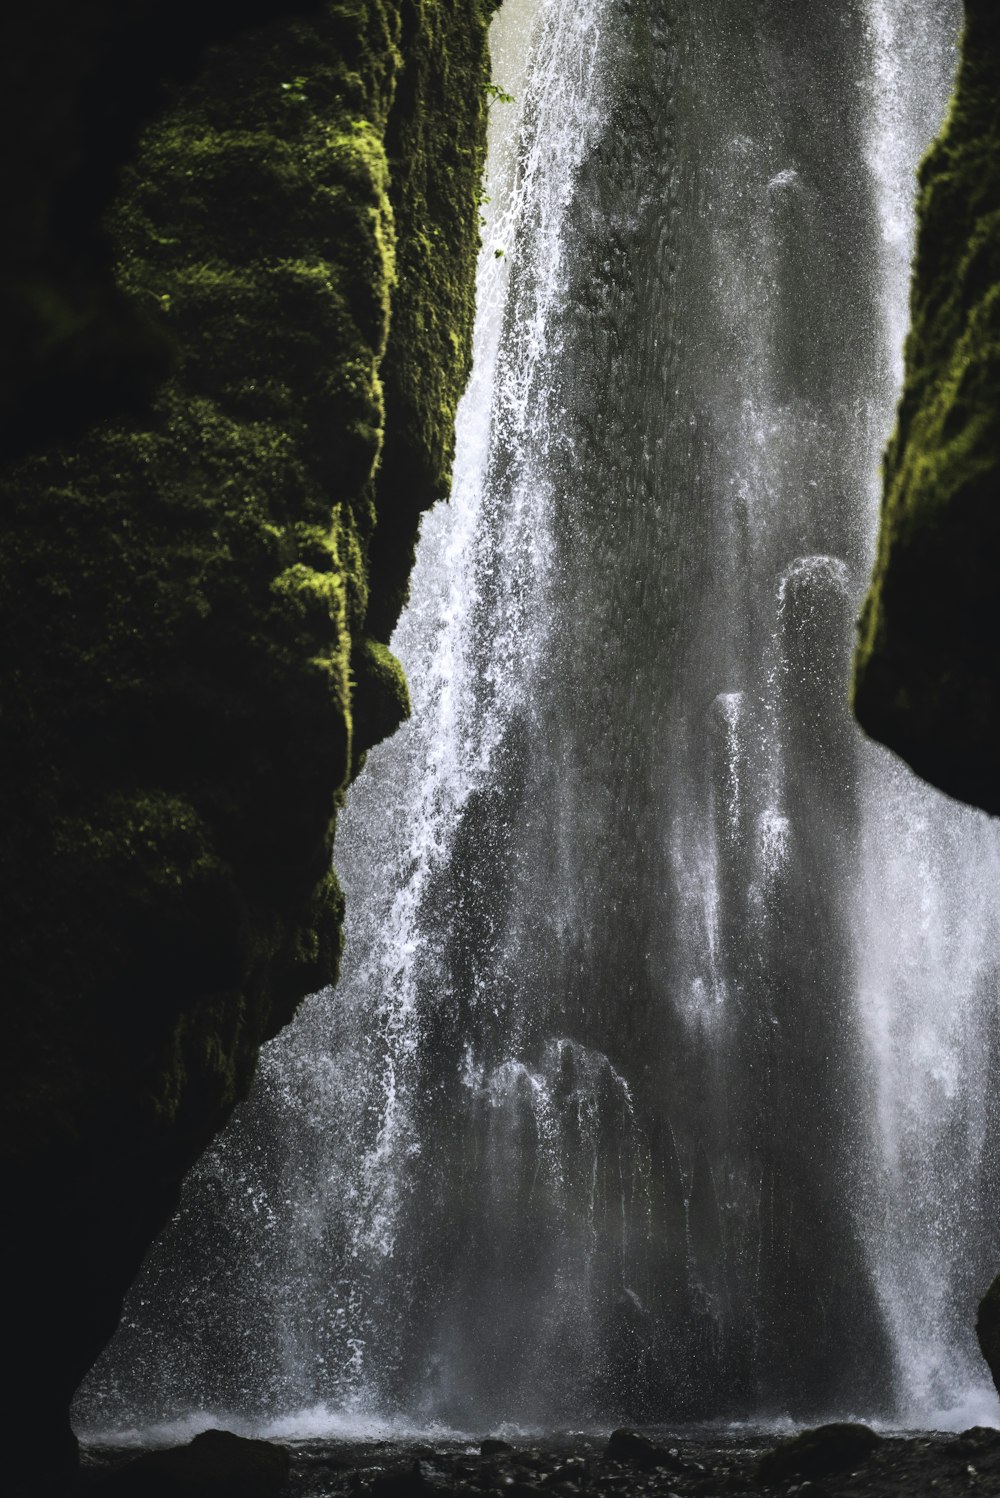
660 1080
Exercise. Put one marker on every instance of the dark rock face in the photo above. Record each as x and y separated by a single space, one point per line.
927 677
988 1329
75 83
818 1453
197 597
216 1464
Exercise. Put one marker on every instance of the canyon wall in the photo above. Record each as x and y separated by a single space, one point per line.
927 669
927 673
224 404
273 325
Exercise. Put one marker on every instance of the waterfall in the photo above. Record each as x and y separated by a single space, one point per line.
660 1082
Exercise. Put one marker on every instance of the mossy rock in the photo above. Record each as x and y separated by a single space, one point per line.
927 674
76 83
197 599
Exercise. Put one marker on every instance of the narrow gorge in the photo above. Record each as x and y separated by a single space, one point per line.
661 1080
469 970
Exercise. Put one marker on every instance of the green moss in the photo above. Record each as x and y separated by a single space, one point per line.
429 351
927 678
76 81
382 699
197 603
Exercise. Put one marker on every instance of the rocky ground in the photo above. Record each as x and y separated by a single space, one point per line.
842 1461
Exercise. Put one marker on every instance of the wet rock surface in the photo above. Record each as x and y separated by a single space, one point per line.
988 1329
216 1464
696 1464
632 1448
818 1453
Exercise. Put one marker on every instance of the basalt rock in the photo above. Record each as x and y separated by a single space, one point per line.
818 1453
927 676
632 1448
197 595
988 1329
417 1480
216 1464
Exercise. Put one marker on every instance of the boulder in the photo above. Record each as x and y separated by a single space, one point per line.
976 1441
818 1453
636 1450
418 1479
216 1464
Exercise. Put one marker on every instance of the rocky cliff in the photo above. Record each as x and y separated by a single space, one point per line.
198 588
927 670
928 664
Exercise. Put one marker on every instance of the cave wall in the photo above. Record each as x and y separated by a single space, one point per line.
927 671
197 591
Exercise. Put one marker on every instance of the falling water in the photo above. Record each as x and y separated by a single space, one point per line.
660 1079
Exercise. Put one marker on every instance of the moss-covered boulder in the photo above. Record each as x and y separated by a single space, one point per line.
928 664
196 602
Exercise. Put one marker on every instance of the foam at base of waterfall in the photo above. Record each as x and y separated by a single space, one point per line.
317 1422
978 1404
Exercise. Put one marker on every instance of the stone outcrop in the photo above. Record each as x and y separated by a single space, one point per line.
818 1453
988 1329
216 1464
197 593
928 663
